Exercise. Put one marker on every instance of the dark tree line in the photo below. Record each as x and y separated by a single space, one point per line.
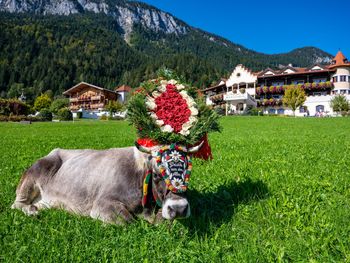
52 53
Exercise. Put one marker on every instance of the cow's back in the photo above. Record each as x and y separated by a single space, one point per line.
87 176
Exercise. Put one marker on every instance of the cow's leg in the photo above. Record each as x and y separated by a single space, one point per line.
111 211
28 193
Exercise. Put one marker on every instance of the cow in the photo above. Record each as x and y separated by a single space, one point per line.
103 184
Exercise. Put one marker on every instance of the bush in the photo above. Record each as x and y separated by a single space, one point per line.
17 118
42 102
65 114
13 106
220 111
45 115
103 118
59 104
116 118
79 115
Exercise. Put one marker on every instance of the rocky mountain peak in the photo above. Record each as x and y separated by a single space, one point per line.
127 13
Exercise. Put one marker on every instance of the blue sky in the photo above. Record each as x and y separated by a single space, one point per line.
269 26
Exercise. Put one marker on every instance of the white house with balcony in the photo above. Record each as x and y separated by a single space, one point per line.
265 89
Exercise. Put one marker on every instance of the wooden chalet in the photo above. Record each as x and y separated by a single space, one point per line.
89 97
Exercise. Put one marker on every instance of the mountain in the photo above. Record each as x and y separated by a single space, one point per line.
52 44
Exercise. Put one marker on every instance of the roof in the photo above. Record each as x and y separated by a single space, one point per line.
220 85
339 60
298 71
82 85
124 88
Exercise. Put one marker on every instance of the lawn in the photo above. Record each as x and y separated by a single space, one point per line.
278 189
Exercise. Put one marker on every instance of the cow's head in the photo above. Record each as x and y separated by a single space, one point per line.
171 169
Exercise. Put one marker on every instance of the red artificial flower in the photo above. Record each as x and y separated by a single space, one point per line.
172 108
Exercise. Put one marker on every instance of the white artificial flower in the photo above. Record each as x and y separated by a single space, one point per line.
153 115
184 133
192 119
194 111
184 94
172 81
150 103
159 122
186 126
177 183
190 102
149 98
162 88
155 94
180 87
175 155
166 128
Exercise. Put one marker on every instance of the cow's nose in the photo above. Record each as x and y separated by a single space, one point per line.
178 211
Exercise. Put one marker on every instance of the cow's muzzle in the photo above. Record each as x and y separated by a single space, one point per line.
176 208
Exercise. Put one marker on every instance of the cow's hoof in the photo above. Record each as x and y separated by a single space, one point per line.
30 210
159 218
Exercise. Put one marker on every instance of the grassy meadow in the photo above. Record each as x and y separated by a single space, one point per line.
277 190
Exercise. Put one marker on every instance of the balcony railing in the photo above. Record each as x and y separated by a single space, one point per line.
306 86
270 102
73 99
96 98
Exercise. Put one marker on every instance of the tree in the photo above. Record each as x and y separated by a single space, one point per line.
340 104
113 107
42 102
294 97
59 104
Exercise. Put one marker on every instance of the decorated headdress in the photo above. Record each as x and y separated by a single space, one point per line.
170 113
166 110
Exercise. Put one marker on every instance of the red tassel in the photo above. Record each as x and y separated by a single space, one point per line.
205 151
146 142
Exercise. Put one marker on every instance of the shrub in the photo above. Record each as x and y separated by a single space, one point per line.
103 118
220 111
116 118
13 106
18 118
248 110
45 115
59 104
65 114
42 102
340 104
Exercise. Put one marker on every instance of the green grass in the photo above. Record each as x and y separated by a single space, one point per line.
278 189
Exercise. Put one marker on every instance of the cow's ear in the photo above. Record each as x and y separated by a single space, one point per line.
143 148
195 148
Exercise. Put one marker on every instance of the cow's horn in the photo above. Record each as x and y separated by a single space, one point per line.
195 148
142 148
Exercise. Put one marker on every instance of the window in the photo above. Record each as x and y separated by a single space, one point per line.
320 80
302 109
278 83
272 111
319 108
296 82
277 96
335 79
319 93
343 91
280 111
343 78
